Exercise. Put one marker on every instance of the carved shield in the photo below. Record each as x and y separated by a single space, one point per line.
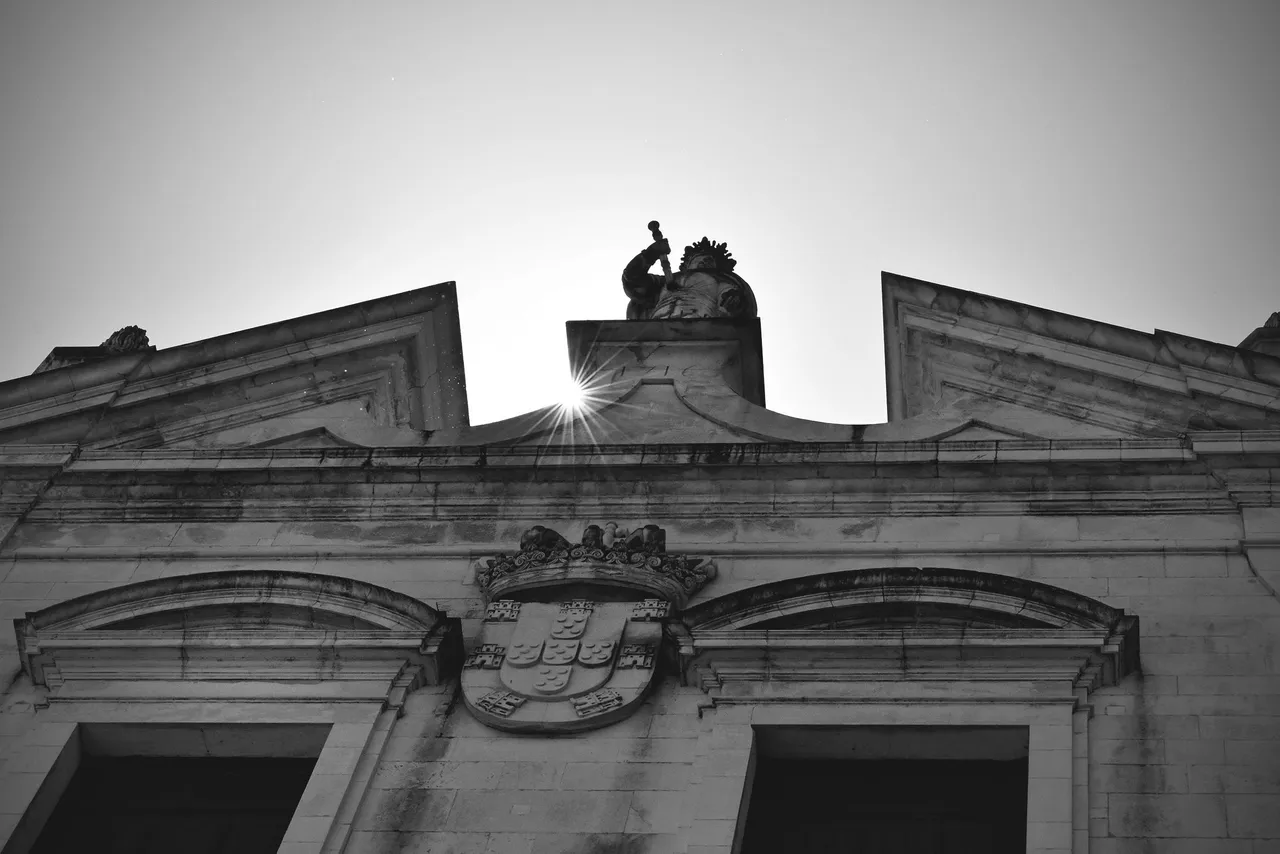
560 668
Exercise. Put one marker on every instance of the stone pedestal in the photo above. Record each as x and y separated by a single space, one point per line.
703 355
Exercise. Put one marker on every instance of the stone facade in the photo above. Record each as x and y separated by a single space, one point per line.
287 541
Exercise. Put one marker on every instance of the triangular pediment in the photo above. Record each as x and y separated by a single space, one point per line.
974 430
961 358
318 437
372 373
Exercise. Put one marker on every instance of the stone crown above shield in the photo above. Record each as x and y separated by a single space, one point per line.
608 558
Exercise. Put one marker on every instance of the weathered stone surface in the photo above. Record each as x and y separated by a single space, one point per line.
1039 468
354 375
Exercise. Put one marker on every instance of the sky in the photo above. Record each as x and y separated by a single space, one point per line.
197 168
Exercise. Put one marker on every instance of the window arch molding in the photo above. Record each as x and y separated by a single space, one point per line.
984 597
905 623
292 623
234 663
916 649
334 600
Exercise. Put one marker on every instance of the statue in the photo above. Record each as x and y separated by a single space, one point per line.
704 286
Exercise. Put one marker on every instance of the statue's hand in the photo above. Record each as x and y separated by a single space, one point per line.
731 302
656 249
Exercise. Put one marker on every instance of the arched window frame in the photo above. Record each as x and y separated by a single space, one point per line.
1027 654
227 652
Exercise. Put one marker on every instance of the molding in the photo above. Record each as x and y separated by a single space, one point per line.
254 635
332 602
1235 442
430 507
712 660
981 596
36 456
268 554
1238 390
413 339
937 336
432 458
396 331
912 628
1054 401
992 336
373 384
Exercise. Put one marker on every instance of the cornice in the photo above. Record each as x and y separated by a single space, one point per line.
1237 442
710 455
429 505
35 456
979 478
269 554
715 659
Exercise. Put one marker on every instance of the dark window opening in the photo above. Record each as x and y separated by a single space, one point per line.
158 805
895 806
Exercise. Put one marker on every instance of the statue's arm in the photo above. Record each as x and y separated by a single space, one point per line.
639 284
736 299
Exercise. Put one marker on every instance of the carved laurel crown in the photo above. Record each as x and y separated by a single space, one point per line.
718 251
635 561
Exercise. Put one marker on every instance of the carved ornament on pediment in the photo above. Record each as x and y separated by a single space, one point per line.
129 339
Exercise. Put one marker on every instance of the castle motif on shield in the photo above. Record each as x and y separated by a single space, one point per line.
550 664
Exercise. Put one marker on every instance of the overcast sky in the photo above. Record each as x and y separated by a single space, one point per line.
197 168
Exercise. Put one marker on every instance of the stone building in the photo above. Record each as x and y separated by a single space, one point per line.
272 592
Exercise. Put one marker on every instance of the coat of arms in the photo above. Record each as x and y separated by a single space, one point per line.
564 665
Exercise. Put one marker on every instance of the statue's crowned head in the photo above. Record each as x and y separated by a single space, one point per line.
707 255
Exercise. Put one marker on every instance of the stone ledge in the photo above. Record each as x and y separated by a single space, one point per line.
269 554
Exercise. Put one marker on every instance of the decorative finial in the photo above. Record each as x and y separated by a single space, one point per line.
130 339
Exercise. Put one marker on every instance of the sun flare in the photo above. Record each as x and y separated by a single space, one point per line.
573 394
